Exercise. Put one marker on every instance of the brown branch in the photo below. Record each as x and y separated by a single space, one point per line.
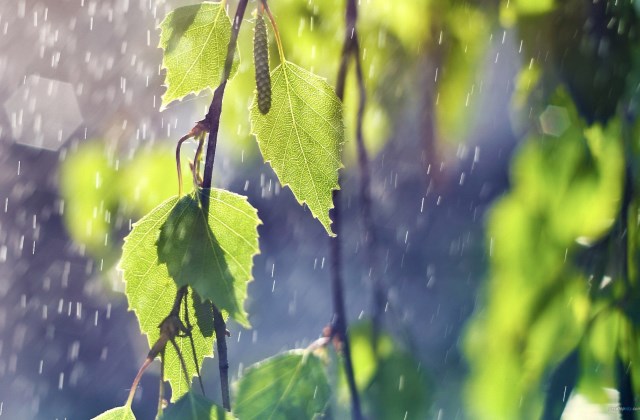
370 241
212 122
339 320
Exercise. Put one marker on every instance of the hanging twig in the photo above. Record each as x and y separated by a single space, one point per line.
339 321
161 390
193 346
370 242
212 122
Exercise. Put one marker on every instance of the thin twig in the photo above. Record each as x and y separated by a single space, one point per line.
212 122
193 346
339 322
220 327
161 390
370 242
134 386
182 363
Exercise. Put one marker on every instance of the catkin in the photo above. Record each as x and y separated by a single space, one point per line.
261 60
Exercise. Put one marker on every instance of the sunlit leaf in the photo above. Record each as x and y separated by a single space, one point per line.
192 406
151 291
194 40
302 137
292 385
213 255
118 413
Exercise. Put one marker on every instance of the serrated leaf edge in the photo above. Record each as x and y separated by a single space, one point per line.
286 184
194 93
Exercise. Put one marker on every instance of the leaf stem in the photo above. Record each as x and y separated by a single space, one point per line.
276 32
212 122
161 390
134 386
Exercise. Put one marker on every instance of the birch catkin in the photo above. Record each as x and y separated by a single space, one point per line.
261 61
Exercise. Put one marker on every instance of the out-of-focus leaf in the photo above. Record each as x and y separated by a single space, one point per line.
151 291
151 178
213 254
575 179
603 336
398 389
510 10
118 413
88 182
566 190
301 137
524 97
292 385
94 189
597 357
410 22
533 6
458 85
192 406
392 383
194 40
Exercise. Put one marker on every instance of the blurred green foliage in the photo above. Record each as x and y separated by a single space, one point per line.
566 191
560 302
464 52
391 382
292 385
103 194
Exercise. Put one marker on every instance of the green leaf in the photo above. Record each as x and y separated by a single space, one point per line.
194 40
213 256
302 137
88 185
392 384
118 413
292 385
399 389
566 191
197 407
459 82
151 291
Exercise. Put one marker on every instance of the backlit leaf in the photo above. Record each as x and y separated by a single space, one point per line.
292 385
151 292
302 137
194 40
214 255
118 413
194 406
